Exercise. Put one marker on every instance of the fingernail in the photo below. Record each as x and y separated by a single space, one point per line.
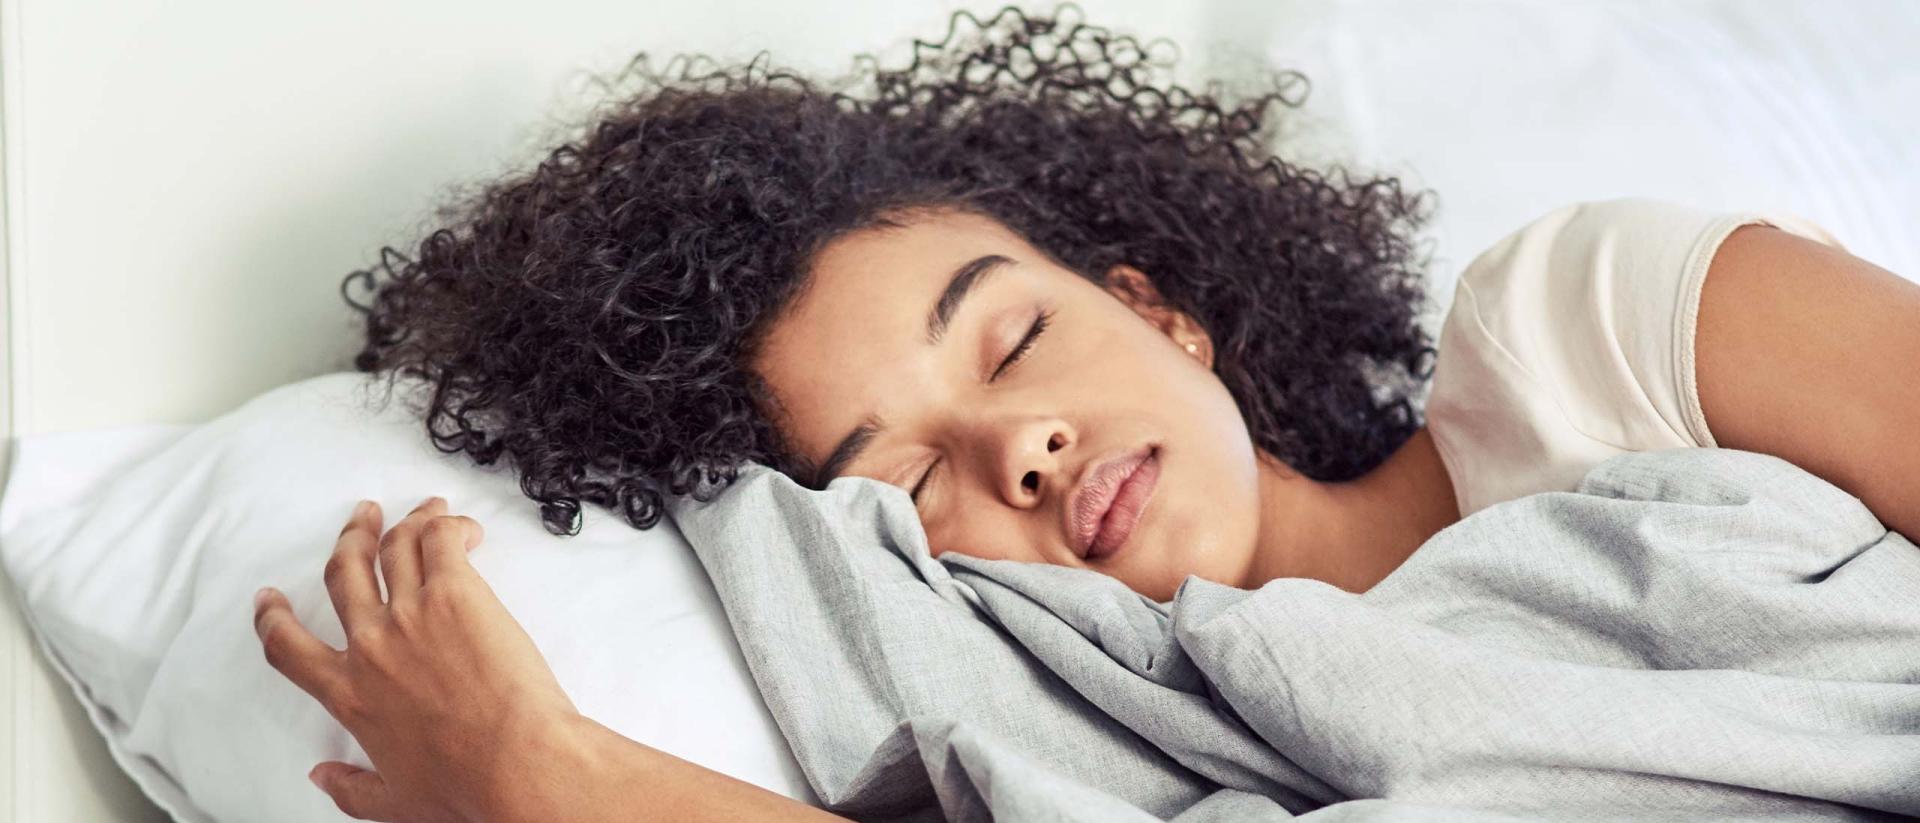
360 509
313 776
260 598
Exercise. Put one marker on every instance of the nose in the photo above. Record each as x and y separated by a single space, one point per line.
1029 456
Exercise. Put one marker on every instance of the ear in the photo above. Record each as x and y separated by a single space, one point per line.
1133 288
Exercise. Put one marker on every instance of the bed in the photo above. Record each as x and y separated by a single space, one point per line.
185 183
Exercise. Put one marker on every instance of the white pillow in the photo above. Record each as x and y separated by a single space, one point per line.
140 591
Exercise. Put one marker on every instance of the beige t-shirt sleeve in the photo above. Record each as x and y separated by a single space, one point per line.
1571 341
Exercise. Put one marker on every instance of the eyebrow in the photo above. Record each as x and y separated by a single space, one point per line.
962 283
959 286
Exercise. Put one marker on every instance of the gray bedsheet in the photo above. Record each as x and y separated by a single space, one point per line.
1697 633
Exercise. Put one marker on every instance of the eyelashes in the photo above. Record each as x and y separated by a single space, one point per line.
1038 328
915 494
1019 353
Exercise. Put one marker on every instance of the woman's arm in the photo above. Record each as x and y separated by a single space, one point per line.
1811 354
456 708
612 778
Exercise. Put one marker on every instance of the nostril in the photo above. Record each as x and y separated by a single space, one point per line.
1030 481
1055 443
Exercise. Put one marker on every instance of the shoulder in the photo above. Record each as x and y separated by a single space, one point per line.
1570 339
1582 251
1610 249
1604 283
1582 302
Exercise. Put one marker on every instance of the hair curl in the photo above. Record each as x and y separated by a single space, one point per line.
592 318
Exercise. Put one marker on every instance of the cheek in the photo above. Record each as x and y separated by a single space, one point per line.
986 532
1211 526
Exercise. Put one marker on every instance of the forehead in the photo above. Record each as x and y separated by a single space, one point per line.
904 256
857 328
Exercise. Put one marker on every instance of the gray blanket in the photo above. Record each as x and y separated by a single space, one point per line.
1697 633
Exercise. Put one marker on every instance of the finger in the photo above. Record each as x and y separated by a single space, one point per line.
446 543
366 516
359 793
400 548
293 651
349 572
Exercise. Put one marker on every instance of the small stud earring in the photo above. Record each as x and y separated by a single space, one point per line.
1193 348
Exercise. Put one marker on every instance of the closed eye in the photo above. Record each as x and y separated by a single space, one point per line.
1033 333
915 494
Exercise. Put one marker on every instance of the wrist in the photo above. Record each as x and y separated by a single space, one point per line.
570 769
546 767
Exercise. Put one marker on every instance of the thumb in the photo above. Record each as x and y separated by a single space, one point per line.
358 792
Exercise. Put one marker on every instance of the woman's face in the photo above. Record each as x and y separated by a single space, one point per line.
997 448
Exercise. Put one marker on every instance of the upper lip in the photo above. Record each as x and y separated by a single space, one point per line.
1093 494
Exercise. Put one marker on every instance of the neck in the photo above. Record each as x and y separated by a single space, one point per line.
1353 533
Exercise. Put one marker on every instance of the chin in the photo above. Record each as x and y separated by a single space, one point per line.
1205 571
1192 528
1156 584
1160 592
1158 577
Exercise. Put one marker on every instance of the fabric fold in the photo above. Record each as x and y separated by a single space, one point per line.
1692 633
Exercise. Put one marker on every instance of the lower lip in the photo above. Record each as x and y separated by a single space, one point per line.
1128 503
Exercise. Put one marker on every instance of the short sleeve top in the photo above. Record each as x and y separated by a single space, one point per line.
1571 341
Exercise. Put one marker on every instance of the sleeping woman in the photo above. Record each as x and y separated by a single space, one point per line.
1080 314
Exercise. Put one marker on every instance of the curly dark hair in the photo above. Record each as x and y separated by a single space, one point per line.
592 318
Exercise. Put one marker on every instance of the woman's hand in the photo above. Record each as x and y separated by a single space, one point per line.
442 688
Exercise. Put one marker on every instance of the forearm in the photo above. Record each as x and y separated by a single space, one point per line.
585 772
